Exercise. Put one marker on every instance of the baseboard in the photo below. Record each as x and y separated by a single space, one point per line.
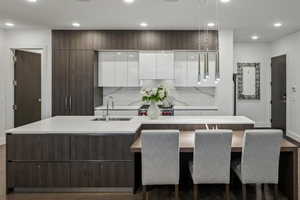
2 140
293 135
75 190
262 125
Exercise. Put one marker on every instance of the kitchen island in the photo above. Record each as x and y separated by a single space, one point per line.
79 153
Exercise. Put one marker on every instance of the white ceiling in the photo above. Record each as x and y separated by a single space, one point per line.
246 17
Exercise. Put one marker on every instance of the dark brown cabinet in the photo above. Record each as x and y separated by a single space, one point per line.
73 82
27 174
102 174
101 147
135 39
81 82
38 148
69 160
60 83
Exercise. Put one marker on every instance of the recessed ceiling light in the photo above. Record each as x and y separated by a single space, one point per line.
128 1
143 24
32 1
254 37
75 24
225 1
211 24
277 24
9 24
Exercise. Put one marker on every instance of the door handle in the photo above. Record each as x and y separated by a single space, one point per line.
283 99
70 103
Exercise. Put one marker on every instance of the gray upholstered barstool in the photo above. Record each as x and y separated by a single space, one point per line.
160 159
212 154
260 159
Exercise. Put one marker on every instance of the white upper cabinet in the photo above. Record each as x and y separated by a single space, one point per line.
118 69
156 65
133 69
147 65
192 69
106 69
165 66
121 69
180 66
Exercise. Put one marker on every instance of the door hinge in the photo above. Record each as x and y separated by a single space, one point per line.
271 120
15 83
15 107
271 83
271 102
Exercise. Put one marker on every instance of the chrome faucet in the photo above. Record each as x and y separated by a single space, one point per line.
110 99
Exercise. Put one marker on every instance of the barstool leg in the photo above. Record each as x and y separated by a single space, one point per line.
258 191
244 191
227 191
176 192
145 193
263 194
276 195
195 192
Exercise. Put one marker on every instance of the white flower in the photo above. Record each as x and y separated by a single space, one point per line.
161 94
153 91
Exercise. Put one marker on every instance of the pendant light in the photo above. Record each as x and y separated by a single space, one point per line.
206 59
217 70
206 67
199 46
217 57
199 68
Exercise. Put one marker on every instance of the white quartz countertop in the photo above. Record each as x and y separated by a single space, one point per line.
175 108
195 120
77 125
85 125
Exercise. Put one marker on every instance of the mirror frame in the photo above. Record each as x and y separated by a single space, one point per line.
240 81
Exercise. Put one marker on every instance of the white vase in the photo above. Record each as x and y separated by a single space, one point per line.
153 111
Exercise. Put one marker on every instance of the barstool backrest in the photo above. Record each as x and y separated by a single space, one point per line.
260 157
160 157
212 155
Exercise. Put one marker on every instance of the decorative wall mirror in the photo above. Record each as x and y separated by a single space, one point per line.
248 81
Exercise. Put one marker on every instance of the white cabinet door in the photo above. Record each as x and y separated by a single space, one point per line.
121 69
192 69
147 66
180 67
165 66
133 70
107 69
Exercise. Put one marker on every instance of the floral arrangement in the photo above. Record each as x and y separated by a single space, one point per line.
154 94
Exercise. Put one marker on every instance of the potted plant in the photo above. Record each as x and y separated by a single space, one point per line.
153 96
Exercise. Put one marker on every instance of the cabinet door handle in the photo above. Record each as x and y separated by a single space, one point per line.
70 103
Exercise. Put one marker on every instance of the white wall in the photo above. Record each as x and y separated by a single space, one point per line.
40 39
224 90
290 45
2 94
258 110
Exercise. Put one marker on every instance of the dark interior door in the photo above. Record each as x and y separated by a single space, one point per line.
27 87
81 82
278 65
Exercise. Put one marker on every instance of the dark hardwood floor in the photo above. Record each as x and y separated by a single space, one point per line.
207 192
